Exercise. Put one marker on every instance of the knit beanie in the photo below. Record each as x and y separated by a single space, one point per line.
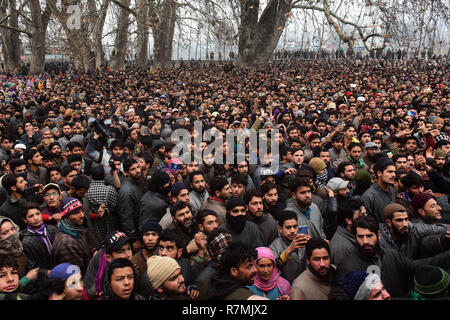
70 206
358 284
152 225
159 269
363 180
176 188
392 208
234 202
430 280
420 199
317 164
63 271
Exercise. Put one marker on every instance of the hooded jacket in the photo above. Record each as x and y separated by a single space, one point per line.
224 287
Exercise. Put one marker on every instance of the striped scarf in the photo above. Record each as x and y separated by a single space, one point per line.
41 231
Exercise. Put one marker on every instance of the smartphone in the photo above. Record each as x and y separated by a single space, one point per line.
175 166
303 230
411 113
32 190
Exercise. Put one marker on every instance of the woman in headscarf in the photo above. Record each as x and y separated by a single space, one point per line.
11 245
268 282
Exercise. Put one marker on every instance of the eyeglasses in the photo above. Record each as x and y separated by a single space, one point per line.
51 194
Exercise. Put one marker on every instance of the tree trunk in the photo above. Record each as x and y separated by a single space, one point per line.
11 43
38 41
121 42
79 40
258 39
163 34
142 33
99 22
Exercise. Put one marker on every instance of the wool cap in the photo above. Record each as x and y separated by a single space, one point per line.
420 199
159 269
176 188
392 208
430 280
363 179
70 206
234 202
152 225
63 271
317 164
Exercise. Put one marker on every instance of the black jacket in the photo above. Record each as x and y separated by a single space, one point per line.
397 270
129 195
35 249
151 206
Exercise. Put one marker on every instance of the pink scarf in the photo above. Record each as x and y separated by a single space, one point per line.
275 280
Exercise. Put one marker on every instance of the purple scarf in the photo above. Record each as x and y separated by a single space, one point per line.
41 231
99 279
276 279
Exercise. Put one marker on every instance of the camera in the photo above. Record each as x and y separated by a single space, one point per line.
102 130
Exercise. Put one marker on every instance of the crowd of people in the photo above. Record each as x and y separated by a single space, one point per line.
95 204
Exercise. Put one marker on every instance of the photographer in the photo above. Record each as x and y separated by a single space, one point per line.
97 151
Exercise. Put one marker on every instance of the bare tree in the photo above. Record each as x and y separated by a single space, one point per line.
10 34
120 45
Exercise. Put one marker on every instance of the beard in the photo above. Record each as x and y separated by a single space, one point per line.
401 234
369 251
317 272
303 204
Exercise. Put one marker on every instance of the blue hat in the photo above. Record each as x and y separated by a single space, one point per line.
176 188
63 271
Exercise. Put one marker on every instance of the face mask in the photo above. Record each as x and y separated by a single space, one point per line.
237 223
23 175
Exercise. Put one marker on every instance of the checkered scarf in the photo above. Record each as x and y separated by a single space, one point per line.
218 244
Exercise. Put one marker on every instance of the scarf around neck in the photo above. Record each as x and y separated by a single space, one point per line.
42 232
358 163
276 279
70 228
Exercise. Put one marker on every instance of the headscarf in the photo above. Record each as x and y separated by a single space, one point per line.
11 245
276 279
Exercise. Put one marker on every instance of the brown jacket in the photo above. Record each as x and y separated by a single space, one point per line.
218 207
307 286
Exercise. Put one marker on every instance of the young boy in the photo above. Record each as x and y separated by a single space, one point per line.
37 239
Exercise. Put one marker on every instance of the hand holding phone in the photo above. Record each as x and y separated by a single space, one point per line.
303 230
